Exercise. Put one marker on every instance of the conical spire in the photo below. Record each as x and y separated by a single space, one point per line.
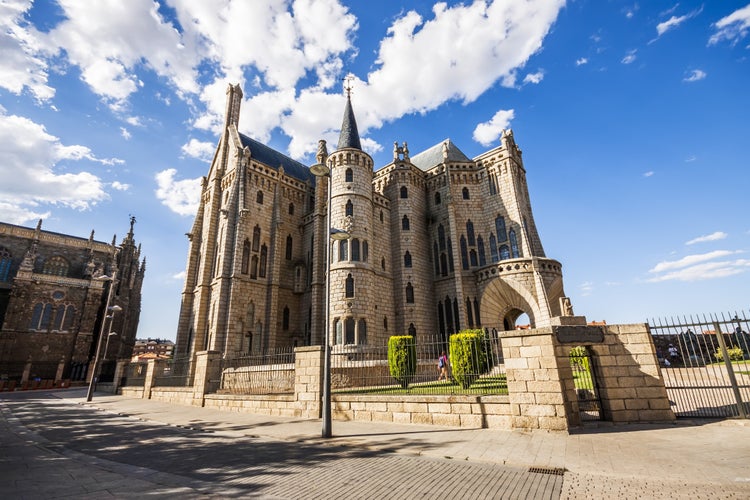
349 137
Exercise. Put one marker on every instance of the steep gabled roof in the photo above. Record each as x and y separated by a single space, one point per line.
274 159
433 156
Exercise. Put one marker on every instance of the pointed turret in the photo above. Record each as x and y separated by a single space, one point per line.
349 137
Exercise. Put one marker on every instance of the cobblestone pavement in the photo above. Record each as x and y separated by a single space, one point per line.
53 448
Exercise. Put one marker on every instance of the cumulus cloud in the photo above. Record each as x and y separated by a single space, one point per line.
696 267
40 170
581 61
648 174
22 67
488 132
198 149
534 77
718 235
733 27
125 133
695 75
180 196
119 186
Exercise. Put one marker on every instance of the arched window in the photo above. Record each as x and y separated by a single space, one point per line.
256 238
504 252
493 248
343 250
349 208
450 255
36 316
437 198
480 249
473 258
259 198
338 332
59 316
348 175
465 193
285 319
70 313
291 209
514 244
441 237
405 223
349 292
56 266
476 312
46 317
263 259
365 251
464 253
443 264
254 266
500 229
412 330
355 249
470 233
381 216
407 259
289 243
469 314
409 293
245 264
385 323
5 261
362 332
382 263
404 192
349 331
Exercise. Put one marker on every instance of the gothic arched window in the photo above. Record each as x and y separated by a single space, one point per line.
362 331
470 233
349 291
365 251
504 252
285 319
464 253
291 209
355 249
289 244
343 250
404 192
245 263
407 259
493 248
409 293
256 238
514 244
405 223
263 260
465 193
480 249
348 175
259 198
437 198
500 229
349 208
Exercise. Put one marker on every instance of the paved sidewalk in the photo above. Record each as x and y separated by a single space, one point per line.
688 459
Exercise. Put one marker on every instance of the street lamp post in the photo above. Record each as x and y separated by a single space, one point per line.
321 171
109 336
111 310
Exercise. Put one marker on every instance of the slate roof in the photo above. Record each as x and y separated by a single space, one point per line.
434 156
274 159
349 137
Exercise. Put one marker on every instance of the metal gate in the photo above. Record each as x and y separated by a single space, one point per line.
584 369
705 363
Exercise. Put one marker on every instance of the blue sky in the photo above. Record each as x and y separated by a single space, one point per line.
633 119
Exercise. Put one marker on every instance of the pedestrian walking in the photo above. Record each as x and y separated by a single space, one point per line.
442 366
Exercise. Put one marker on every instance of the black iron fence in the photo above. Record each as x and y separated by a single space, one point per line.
705 363
268 372
135 375
366 369
175 374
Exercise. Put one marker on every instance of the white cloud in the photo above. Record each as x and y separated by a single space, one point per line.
733 27
120 186
179 276
182 197
39 170
125 133
704 271
694 76
488 132
718 235
21 66
689 261
581 61
15 214
674 22
629 57
648 174
586 288
534 77
690 159
200 150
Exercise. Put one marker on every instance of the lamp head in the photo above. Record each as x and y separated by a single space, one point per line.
103 277
112 333
339 234
320 170
115 308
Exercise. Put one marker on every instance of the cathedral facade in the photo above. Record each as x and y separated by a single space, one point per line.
53 301
438 242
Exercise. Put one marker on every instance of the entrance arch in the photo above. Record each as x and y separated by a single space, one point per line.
502 302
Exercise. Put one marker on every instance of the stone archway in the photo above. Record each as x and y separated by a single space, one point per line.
503 301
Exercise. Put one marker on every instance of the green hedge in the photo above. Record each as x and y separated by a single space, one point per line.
402 359
467 357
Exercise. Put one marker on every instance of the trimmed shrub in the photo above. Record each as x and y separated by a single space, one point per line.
735 354
402 359
467 356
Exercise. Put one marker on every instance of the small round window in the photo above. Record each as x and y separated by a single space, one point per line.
58 295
